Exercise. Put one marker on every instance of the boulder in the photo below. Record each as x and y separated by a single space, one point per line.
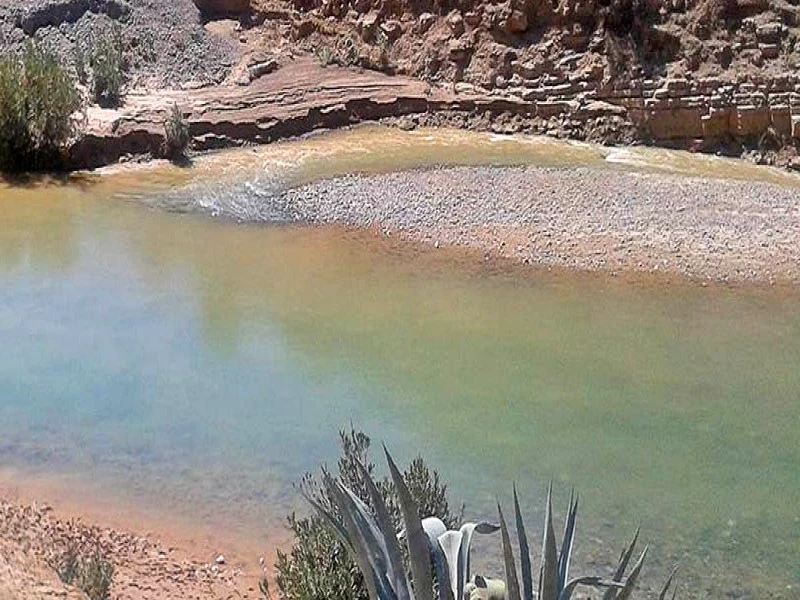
769 51
260 64
769 33
456 23
53 13
473 18
426 21
222 8
459 50
392 29
367 23
517 22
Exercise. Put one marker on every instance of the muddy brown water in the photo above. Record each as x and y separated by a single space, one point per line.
198 367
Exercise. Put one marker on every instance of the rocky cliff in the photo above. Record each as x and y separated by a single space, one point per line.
710 75
703 74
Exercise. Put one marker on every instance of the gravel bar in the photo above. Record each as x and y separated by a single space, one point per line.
580 218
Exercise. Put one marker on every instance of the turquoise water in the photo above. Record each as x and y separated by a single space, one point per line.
204 366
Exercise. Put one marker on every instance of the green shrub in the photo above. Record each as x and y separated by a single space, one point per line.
108 69
37 101
176 134
325 56
346 52
91 574
318 566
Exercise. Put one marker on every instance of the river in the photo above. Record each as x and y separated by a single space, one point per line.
202 365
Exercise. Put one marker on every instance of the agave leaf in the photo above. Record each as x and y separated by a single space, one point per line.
484 528
630 582
450 545
597 582
396 571
512 583
668 583
566 543
524 551
433 528
377 584
467 531
370 538
548 583
417 541
337 528
624 559
455 548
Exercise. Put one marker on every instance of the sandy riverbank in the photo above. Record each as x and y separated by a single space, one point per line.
154 557
584 219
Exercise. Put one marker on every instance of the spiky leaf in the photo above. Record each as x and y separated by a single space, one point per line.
548 581
624 559
668 583
397 572
512 583
377 584
467 531
566 543
597 582
630 582
434 528
524 551
417 541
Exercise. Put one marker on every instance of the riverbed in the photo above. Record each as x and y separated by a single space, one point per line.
200 365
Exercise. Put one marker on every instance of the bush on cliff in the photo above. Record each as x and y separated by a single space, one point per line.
37 101
319 567
176 135
108 69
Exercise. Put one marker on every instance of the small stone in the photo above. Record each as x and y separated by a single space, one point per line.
220 560
517 22
367 23
473 18
456 23
392 29
262 68
426 21
459 50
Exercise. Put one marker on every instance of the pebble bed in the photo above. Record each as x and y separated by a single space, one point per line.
580 218
33 540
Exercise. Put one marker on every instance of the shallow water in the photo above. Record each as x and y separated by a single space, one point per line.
203 365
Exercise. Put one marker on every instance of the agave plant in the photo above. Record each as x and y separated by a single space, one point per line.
369 536
554 582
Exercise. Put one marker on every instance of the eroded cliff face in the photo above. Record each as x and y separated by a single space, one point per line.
705 74
508 42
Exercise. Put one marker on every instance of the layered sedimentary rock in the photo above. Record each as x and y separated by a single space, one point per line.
301 96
